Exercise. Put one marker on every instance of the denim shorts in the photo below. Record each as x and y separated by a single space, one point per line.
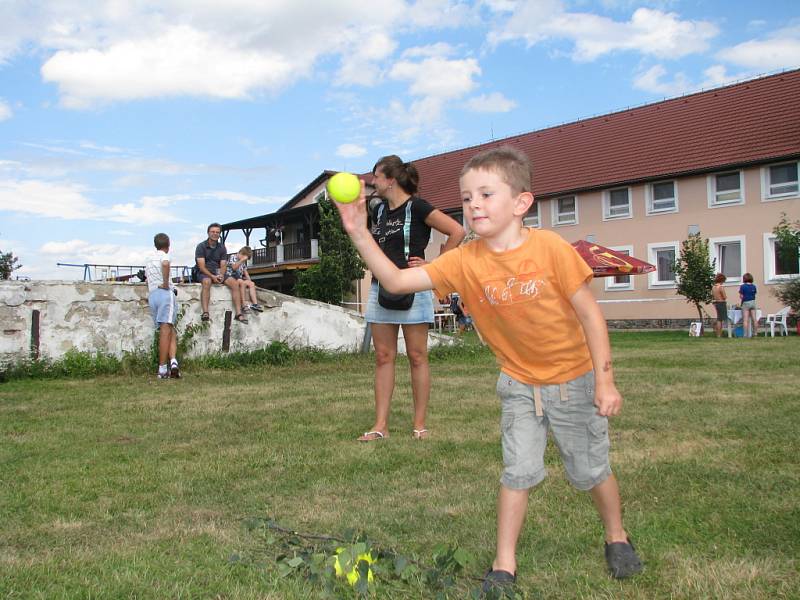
163 306
567 410
749 305
420 312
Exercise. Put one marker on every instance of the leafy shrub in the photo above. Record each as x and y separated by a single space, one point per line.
788 292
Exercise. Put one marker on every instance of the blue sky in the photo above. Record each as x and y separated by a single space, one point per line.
120 119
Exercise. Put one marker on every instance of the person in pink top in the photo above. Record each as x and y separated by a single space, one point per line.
528 294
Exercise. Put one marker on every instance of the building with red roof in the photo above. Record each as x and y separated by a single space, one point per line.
723 162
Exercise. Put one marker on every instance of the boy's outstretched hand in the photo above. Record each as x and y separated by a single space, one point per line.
354 214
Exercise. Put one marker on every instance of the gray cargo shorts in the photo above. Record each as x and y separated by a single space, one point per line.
568 410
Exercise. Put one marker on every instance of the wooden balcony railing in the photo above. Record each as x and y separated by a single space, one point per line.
269 256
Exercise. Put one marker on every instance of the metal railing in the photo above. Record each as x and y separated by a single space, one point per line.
269 256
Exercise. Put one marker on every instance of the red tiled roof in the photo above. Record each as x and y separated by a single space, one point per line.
749 122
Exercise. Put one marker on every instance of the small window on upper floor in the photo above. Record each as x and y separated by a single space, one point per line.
725 189
532 218
662 197
780 181
565 210
617 204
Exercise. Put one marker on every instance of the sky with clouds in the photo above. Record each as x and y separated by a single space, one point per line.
123 118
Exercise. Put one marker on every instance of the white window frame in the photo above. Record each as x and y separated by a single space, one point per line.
713 245
766 196
554 212
607 216
711 182
610 284
653 281
769 262
650 197
534 213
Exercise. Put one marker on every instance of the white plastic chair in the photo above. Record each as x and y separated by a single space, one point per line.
779 318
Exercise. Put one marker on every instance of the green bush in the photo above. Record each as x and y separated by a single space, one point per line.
788 293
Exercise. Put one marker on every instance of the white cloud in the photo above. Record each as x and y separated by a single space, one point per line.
653 81
350 151
68 201
5 110
439 13
361 65
440 49
45 199
181 61
437 77
115 51
277 201
780 50
494 102
87 145
649 31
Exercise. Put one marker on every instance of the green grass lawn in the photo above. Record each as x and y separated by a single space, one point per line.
129 487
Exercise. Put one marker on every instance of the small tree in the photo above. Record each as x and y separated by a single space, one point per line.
339 263
8 264
788 292
695 272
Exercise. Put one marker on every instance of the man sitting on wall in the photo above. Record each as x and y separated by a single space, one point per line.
211 257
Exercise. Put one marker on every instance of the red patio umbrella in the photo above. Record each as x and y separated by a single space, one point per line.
606 262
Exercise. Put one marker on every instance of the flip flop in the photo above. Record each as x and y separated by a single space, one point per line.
420 434
372 436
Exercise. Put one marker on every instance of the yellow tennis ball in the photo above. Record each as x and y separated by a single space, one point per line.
344 187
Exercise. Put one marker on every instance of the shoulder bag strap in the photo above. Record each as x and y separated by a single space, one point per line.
382 217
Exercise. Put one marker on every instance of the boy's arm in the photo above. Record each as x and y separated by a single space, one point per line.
397 281
606 397
165 274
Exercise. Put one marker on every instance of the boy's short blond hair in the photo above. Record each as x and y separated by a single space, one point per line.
511 164
247 251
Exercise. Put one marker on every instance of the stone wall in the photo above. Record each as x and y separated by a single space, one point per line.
114 318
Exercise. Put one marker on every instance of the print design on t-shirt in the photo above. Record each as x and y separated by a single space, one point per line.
524 287
392 227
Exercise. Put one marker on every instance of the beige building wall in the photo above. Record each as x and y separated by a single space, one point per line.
749 222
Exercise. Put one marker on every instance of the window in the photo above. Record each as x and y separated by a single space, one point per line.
780 181
662 197
617 204
532 218
565 210
620 282
663 256
729 255
779 265
725 189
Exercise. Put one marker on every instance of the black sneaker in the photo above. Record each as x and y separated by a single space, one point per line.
498 583
622 559
174 371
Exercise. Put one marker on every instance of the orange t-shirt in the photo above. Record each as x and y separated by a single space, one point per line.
519 300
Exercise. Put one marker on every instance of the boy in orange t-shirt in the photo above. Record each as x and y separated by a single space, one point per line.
528 294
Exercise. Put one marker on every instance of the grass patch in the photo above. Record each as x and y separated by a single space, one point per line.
124 486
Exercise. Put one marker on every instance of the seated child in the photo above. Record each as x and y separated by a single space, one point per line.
247 287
